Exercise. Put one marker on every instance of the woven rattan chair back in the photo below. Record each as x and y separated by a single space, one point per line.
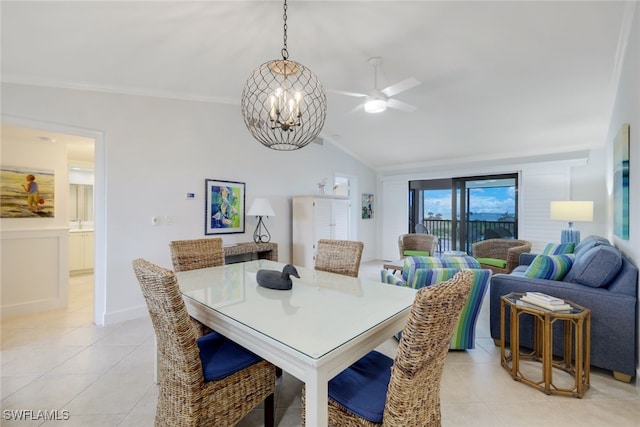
196 253
505 249
417 242
413 396
339 256
185 399
193 254
180 369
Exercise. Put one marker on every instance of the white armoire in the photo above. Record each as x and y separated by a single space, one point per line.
315 218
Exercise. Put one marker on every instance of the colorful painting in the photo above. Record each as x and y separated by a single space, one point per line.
224 207
621 183
26 192
367 206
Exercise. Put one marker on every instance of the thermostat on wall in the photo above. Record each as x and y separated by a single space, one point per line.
191 196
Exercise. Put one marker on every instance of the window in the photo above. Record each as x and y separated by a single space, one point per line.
461 211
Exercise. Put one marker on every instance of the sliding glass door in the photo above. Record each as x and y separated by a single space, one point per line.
461 211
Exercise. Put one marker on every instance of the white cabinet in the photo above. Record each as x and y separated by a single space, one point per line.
315 218
80 251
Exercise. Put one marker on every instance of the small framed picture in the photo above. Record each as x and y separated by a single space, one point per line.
367 206
224 207
27 192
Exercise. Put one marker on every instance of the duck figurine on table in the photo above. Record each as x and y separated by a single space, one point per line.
274 279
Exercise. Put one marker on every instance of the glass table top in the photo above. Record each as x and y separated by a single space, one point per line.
322 311
515 299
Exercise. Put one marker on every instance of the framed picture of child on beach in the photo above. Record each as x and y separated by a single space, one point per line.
224 207
26 192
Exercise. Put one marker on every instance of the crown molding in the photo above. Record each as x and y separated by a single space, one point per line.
120 90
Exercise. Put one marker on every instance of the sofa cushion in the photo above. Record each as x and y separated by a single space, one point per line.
550 267
588 243
558 248
494 262
596 268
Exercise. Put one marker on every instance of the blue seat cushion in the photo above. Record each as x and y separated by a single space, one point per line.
362 387
222 357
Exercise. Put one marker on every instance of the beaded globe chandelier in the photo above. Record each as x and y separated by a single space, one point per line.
283 103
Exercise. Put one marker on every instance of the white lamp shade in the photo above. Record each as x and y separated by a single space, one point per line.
572 210
261 207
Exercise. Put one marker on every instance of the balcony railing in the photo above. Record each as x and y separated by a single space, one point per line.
476 231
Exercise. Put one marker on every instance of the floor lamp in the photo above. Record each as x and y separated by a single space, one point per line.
261 208
571 211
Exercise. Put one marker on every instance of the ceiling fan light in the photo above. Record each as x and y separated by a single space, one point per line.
375 105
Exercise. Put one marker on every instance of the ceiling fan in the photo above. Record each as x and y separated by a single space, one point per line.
379 99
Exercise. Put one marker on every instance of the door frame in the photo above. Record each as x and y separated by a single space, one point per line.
100 203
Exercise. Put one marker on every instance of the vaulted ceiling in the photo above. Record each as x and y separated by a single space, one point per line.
499 80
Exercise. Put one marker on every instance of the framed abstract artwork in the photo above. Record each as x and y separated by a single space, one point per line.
224 207
26 192
621 183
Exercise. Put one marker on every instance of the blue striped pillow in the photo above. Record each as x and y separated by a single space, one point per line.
550 267
558 248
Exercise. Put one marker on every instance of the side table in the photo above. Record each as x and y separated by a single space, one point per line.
236 252
577 344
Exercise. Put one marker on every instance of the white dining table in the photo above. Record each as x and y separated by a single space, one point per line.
313 331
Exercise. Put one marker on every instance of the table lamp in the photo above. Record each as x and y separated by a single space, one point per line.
261 208
571 211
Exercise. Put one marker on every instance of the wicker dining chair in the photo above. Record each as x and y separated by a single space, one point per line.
339 256
196 253
417 242
193 254
193 390
404 392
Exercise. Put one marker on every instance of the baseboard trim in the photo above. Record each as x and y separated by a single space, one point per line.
118 316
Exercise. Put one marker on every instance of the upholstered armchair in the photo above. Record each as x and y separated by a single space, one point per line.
419 272
500 255
417 244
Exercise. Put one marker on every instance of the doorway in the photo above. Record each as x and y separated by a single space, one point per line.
464 210
92 143
346 185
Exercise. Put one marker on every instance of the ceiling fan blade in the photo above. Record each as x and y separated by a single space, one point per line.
358 108
399 105
401 86
344 92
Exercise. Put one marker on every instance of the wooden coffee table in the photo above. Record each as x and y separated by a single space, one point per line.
577 343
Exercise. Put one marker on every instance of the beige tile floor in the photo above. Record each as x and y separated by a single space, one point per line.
103 376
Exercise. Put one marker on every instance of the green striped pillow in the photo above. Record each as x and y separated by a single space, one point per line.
558 248
550 267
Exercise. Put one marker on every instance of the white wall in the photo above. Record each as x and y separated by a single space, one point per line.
627 110
157 150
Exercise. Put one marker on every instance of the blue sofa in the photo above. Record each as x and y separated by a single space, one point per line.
419 272
602 279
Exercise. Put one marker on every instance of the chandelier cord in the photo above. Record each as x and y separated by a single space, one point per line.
284 51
